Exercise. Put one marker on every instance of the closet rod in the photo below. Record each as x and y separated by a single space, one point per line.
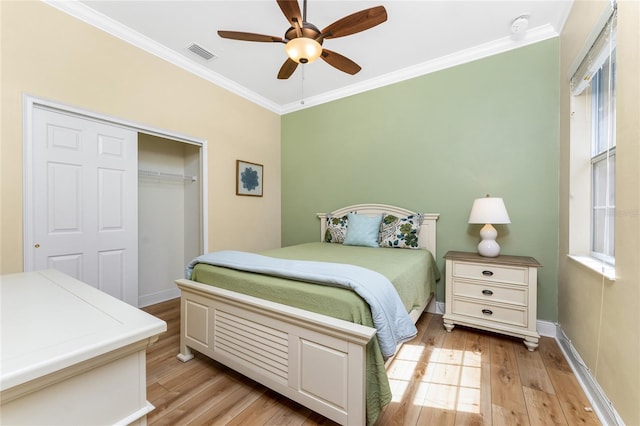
164 175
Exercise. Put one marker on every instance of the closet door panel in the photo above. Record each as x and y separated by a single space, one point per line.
85 198
64 196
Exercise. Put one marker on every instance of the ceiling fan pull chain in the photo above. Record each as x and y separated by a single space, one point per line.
302 85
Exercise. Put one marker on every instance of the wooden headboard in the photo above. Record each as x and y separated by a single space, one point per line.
426 238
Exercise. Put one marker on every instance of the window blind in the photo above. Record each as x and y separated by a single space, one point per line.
596 55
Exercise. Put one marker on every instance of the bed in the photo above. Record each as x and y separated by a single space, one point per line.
320 349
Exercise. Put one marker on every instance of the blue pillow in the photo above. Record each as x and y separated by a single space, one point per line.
362 230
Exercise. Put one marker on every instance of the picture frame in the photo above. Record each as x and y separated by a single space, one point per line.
249 178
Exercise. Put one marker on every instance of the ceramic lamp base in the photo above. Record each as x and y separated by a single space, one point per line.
488 247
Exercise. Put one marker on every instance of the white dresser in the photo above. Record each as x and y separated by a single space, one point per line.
496 294
71 354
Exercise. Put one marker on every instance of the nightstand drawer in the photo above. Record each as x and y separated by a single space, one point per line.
476 271
506 315
489 292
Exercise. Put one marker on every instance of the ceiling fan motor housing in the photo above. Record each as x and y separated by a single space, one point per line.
308 30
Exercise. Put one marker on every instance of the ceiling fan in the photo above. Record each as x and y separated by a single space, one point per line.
304 40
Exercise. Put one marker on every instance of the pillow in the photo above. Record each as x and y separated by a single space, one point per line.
336 229
363 230
402 232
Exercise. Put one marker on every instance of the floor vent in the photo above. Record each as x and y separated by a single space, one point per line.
201 51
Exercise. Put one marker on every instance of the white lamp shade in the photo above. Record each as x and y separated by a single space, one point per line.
489 210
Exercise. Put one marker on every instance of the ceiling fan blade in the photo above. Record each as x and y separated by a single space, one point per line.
238 35
356 22
287 69
291 10
340 62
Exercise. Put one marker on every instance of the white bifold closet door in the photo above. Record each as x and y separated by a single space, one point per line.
85 201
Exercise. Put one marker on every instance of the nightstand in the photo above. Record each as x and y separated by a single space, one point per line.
497 294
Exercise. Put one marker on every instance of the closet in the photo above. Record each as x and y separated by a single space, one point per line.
114 204
169 207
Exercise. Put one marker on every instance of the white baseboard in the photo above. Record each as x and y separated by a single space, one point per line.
546 328
435 307
161 296
596 396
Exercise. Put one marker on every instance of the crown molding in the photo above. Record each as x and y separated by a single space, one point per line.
116 29
475 53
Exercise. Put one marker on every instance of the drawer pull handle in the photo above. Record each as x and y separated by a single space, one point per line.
487 273
487 292
487 311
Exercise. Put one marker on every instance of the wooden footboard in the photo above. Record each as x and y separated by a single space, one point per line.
313 359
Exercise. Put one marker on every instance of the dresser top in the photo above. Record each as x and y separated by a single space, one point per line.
501 260
51 321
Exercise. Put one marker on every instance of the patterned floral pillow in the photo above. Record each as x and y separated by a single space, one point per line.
401 232
336 229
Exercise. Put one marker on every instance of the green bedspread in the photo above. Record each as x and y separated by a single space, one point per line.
412 272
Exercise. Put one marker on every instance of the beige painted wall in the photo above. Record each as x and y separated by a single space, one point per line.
607 339
51 55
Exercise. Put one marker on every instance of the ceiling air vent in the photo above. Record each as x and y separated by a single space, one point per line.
201 51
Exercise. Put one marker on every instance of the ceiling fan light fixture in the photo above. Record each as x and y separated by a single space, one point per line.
303 40
303 50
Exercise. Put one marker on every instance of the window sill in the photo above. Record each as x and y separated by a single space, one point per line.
600 268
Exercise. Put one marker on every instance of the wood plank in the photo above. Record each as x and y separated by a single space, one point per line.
573 401
531 368
258 413
164 309
552 355
163 347
289 413
438 406
443 378
185 408
543 408
182 388
166 365
407 371
507 398
474 400
215 404
502 416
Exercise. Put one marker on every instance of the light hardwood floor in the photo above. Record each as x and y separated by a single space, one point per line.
465 377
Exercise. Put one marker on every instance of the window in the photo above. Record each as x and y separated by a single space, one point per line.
603 160
593 148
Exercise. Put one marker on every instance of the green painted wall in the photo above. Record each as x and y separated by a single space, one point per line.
433 144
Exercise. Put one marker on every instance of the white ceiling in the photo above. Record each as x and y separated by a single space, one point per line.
419 37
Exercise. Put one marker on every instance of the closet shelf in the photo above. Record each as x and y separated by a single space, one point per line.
169 176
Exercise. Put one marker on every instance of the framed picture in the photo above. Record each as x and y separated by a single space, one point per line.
249 178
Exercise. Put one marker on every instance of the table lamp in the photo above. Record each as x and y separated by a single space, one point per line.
488 211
